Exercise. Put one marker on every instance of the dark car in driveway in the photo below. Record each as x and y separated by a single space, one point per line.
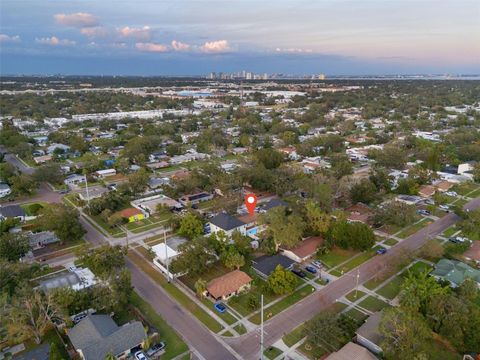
155 349
311 269
299 273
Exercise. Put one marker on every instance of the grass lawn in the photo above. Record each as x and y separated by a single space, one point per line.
460 202
241 303
351 296
30 208
356 261
390 242
312 351
296 334
356 315
391 289
226 316
175 344
465 188
240 329
474 194
215 270
414 228
272 352
438 350
286 302
373 283
419 267
373 304
450 231
99 222
336 256
183 299
227 333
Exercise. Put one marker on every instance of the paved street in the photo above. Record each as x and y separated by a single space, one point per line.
248 344
195 334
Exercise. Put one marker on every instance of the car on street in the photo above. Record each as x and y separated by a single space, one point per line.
317 263
139 355
381 251
311 269
423 212
299 273
221 308
155 349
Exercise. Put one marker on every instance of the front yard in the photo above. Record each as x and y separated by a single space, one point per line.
414 228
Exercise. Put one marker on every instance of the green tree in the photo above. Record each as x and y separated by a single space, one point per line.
190 226
138 181
364 191
232 259
318 221
63 221
22 184
396 213
13 246
270 158
405 334
51 173
104 261
286 230
282 281
200 287
55 353
195 257
330 330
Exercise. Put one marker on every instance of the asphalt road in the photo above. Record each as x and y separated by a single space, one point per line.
195 334
248 344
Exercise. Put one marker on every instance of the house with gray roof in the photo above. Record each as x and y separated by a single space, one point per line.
98 335
265 265
455 272
368 335
41 239
12 212
227 223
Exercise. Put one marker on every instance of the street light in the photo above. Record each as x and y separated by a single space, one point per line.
357 276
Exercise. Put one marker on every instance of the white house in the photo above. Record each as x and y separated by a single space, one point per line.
105 173
228 224
5 190
74 179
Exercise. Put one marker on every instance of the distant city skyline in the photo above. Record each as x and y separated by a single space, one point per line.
190 37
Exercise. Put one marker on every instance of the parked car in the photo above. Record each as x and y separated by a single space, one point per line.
429 202
317 263
139 355
381 251
299 273
194 206
79 318
451 193
311 269
423 212
64 191
445 208
458 239
221 308
156 348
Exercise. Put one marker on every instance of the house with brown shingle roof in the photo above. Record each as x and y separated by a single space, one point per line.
131 214
444 186
228 285
426 191
304 250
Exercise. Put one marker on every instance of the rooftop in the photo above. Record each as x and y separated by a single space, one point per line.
228 283
226 222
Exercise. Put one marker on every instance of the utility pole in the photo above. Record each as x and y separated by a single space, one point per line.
166 253
261 327
356 286
88 196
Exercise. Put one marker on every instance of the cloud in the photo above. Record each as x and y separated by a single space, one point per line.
4 38
54 41
140 34
294 50
215 46
79 19
151 47
179 46
96 31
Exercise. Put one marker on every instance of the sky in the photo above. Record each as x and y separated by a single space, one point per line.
195 37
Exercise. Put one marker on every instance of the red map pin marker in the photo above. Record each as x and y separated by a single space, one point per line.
250 203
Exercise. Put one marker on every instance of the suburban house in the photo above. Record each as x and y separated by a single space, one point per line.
426 191
351 351
167 252
78 279
131 214
359 213
192 199
12 212
368 334
102 174
304 250
455 272
41 239
4 190
74 179
149 204
98 335
61 147
92 192
42 159
473 254
409 199
228 224
444 186
273 203
228 285
265 265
